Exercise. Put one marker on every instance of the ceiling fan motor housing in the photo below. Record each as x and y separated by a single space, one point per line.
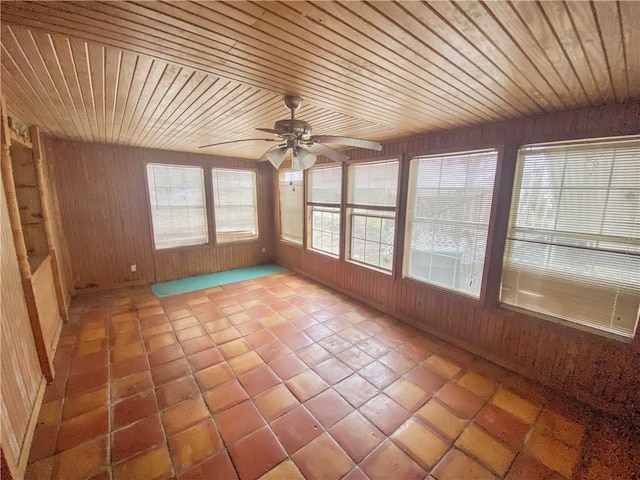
292 102
299 128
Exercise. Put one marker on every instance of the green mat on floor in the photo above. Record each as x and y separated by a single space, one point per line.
191 284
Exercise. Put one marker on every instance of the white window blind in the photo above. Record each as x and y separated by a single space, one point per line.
372 212
448 212
291 205
236 212
323 200
573 243
178 210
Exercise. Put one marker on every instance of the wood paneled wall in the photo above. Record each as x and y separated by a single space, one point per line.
47 305
604 372
63 265
102 192
22 381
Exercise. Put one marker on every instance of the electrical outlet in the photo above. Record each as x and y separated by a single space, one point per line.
264 250
134 267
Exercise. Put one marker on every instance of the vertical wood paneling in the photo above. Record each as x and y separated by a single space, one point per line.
47 305
176 75
59 239
21 374
588 366
102 191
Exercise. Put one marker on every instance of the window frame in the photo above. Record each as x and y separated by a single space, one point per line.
491 228
302 207
215 222
350 207
514 205
206 198
310 205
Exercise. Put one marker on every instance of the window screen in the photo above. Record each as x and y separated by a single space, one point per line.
236 213
323 201
372 213
448 219
178 210
573 243
291 205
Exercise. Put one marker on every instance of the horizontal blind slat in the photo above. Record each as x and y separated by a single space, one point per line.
178 210
573 242
235 205
372 202
448 216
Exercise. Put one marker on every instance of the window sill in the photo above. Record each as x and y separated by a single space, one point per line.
290 243
453 294
370 267
237 242
181 248
566 323
203 246
322 252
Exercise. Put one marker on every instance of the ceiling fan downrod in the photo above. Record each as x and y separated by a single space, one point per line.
292 103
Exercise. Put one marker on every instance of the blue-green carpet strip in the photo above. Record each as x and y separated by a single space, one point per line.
191 284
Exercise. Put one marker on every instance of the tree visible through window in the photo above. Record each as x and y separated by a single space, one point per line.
573 243
178 210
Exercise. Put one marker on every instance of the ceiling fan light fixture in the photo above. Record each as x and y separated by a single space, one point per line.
276 156
307 159
297 138
302 159
296 166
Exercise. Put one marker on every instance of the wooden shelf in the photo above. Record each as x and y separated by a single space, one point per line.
15 139
35 261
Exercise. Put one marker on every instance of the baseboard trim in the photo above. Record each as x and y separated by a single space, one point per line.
25 449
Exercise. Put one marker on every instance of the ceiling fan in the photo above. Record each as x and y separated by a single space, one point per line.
296 138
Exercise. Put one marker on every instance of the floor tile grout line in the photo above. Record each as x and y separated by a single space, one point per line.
159 412
135 312
56 454
200 394
454 379
285 385
109 407
473 421
225 447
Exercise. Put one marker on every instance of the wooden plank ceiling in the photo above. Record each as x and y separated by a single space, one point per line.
178 75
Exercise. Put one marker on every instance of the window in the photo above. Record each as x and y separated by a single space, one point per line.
573 242
178 210
291 205
325 193
235 206
448 213
372 213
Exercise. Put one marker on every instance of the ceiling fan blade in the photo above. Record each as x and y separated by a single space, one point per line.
268 130
328 152
348 141
243 140
275 155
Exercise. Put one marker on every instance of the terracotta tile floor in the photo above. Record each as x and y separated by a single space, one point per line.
281 378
